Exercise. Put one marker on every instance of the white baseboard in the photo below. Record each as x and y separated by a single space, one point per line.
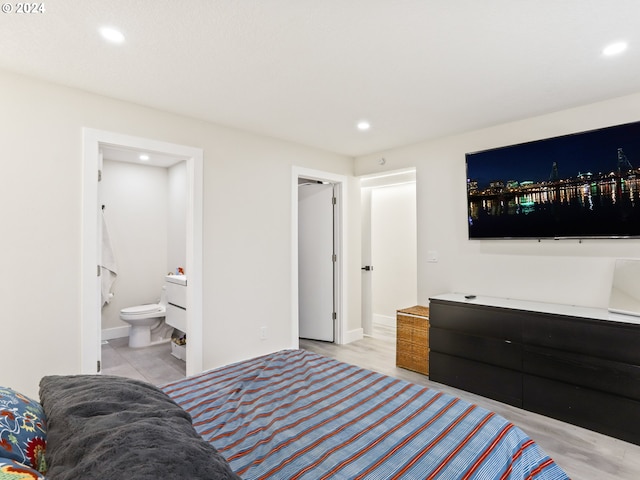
115 332
354 335
384 320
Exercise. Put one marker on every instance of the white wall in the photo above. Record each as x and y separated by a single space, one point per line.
393 245
177 221
246 226
565 271
352 314
136 211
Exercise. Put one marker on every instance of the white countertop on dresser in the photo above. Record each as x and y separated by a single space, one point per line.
552 308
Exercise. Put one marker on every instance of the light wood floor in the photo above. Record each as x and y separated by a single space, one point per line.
583 454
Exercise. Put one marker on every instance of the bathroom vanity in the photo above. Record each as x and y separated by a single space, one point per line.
177 310
177 301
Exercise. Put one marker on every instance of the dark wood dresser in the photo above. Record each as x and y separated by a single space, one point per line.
579 365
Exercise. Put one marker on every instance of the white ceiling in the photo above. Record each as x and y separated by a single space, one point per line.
119 153
307 70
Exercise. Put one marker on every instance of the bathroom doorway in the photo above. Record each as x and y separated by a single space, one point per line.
94 142
143 196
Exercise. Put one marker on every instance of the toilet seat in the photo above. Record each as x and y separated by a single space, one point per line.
143 310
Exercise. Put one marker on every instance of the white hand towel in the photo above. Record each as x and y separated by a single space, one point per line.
109 270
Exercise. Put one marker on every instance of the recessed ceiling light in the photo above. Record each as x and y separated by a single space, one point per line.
112 35
363 125
614 48
144 157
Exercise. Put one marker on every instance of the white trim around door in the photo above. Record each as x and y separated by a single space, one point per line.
340 181
90 283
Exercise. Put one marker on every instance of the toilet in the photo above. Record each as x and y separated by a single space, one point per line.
147 323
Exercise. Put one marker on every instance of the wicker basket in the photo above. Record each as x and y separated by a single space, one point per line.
412 345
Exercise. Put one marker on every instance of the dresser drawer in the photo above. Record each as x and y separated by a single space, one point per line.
498 383
477 320
600 411
493 351
608 340
582 370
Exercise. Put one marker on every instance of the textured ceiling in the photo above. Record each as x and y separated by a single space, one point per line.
307 70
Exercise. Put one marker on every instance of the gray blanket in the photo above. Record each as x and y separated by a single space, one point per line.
106 427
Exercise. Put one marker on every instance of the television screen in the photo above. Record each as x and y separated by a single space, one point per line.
584 185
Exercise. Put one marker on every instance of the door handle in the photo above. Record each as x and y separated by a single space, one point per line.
367 268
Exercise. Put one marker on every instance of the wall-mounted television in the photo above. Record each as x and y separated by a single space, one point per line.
583 185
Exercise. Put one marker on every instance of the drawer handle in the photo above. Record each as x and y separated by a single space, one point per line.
507 341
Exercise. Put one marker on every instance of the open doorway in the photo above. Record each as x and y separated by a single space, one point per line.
333 290
389 249
143 196
316 260
91 302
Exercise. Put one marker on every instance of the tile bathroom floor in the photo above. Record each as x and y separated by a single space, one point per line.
153 364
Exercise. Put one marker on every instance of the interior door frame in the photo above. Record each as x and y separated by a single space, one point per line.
316 247
340 285
90 327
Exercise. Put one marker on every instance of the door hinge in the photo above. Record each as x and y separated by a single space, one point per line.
99 271
333 200
98 366
334 258
334 315
99 175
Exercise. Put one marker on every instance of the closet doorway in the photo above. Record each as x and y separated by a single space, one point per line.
316 260
333 292
94 141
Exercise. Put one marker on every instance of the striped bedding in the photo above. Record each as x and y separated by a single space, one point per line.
295 414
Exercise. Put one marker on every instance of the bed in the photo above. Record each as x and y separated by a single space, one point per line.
292 414
295 414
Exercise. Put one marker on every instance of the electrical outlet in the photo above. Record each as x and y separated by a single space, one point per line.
263 333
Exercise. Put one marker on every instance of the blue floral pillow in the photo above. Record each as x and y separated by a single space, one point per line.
23 430
10 469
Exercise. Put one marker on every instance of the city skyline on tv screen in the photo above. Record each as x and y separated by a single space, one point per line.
580 185
592 151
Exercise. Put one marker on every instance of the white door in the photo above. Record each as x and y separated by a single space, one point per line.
367 267
316 261
99 209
